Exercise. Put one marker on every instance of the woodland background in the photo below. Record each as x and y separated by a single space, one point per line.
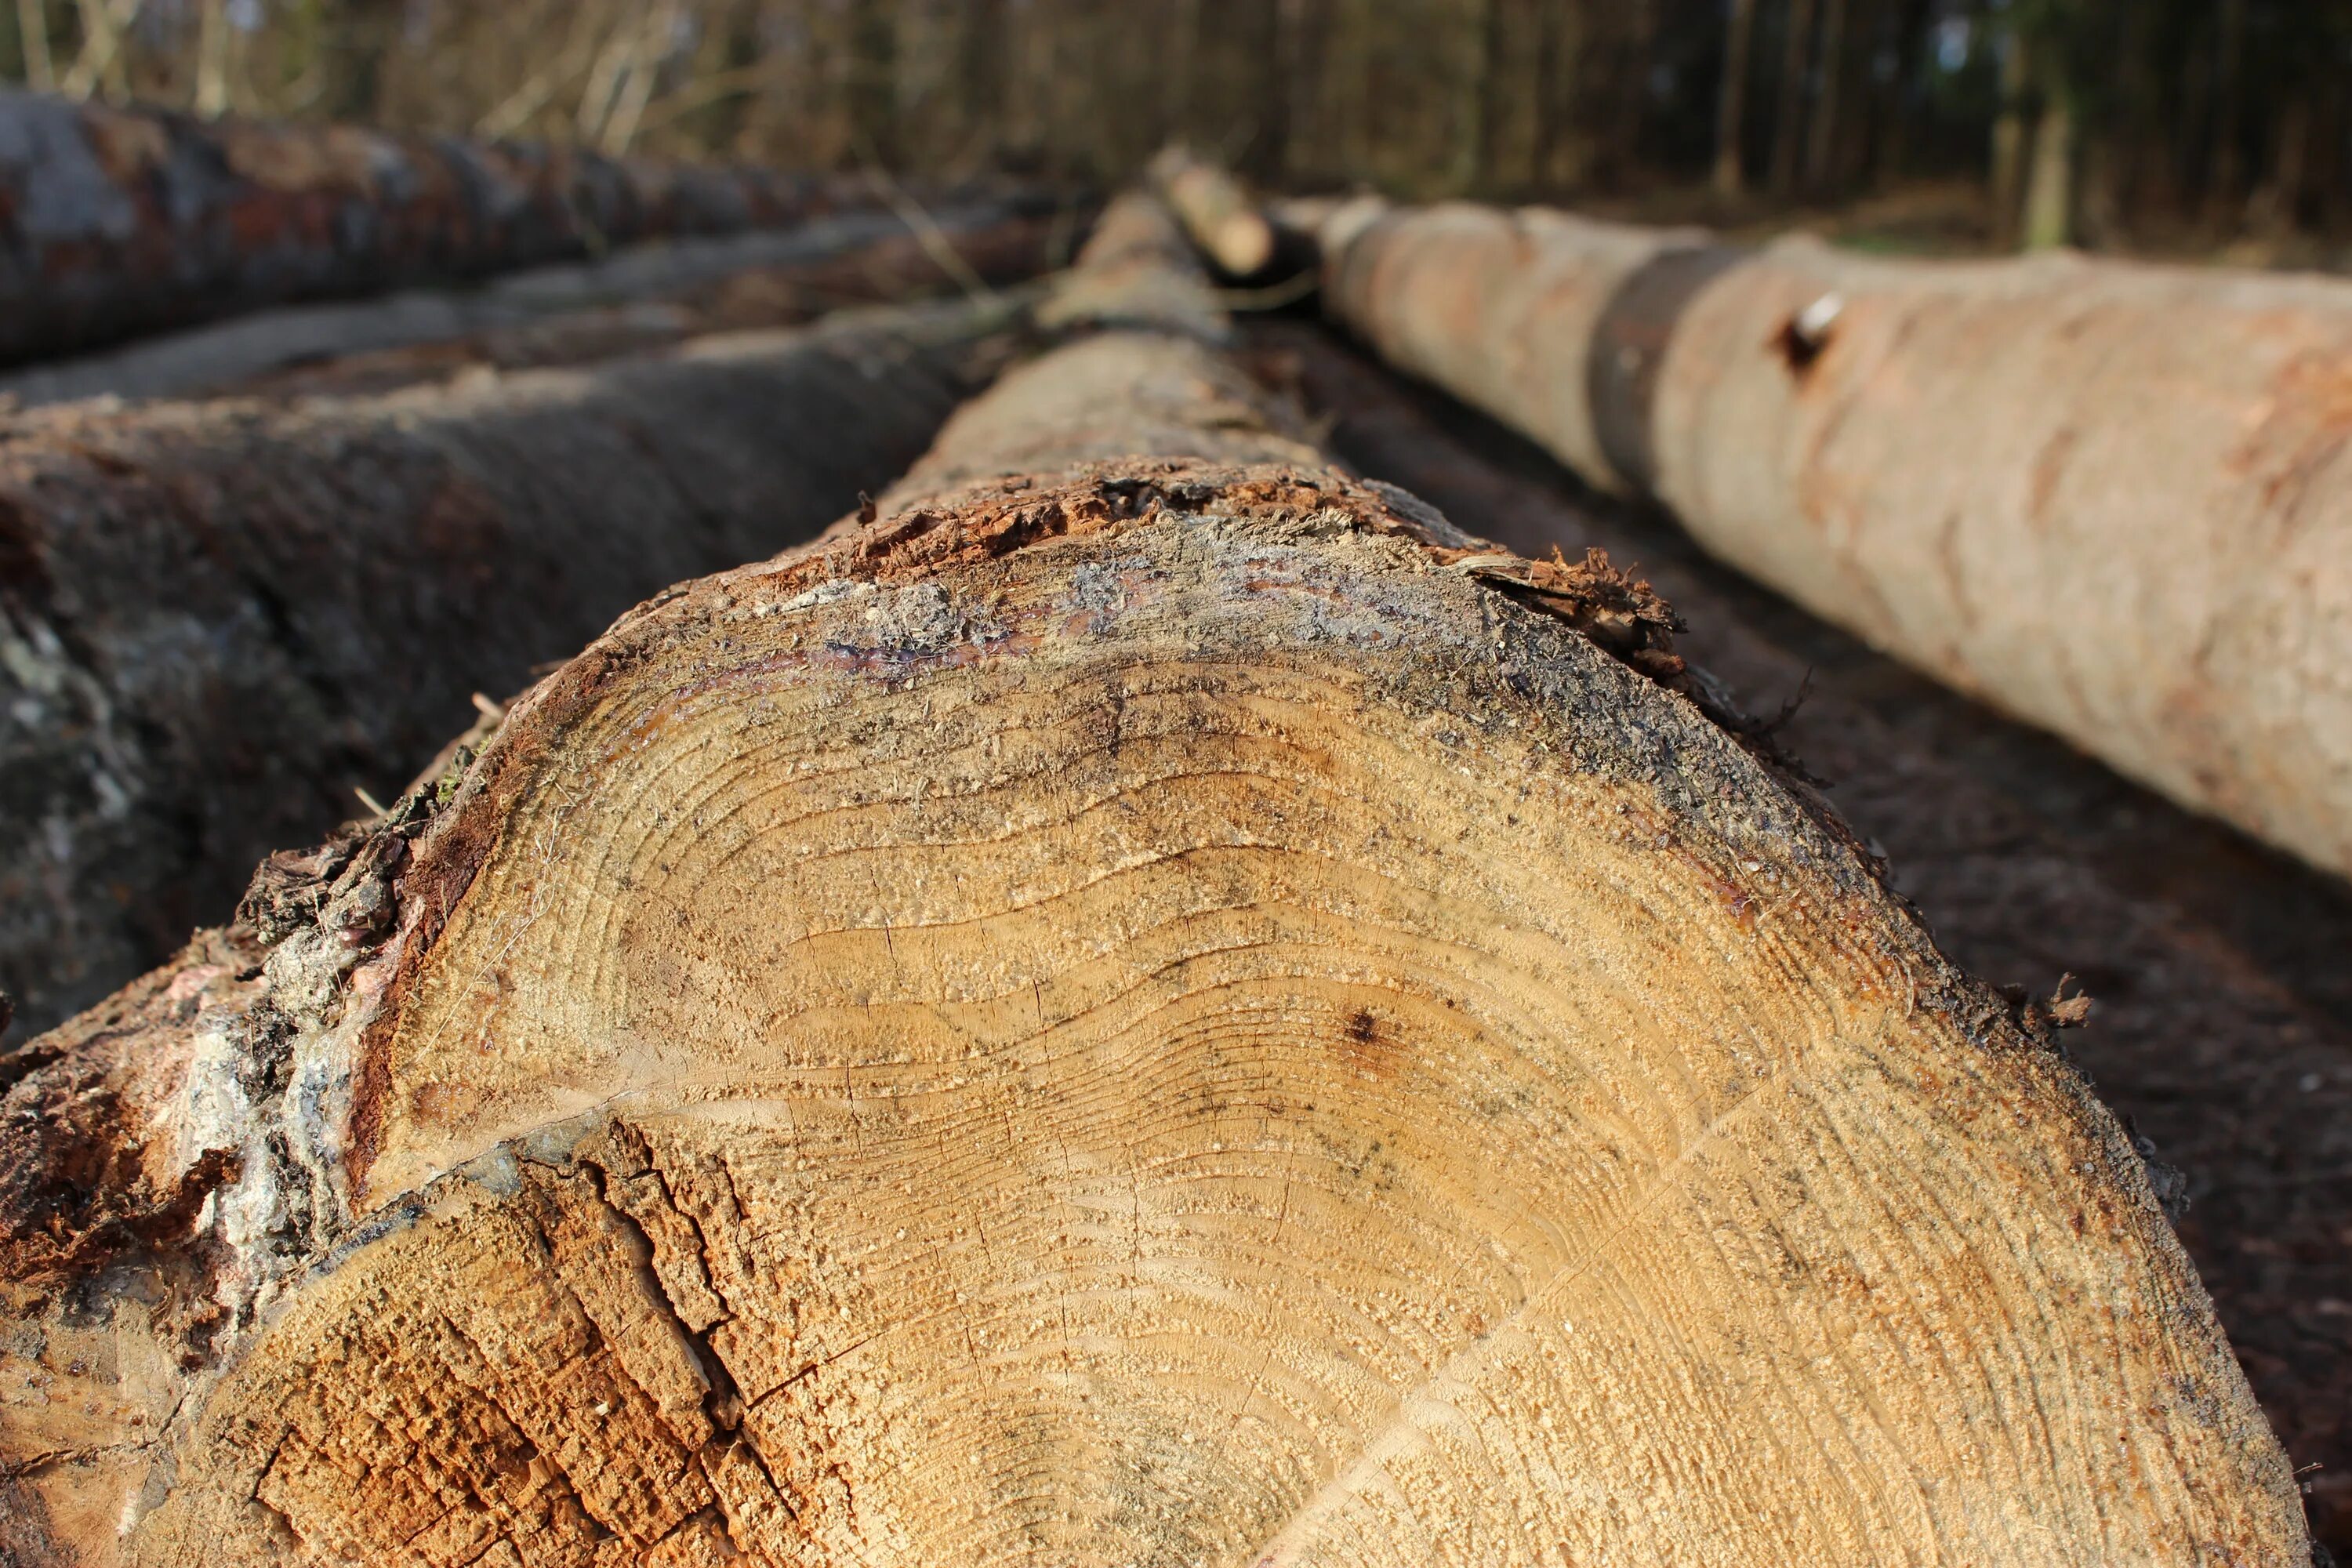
2185 126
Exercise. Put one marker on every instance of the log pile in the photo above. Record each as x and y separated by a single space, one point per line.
1153 1001
117 222
2113 499
572 312
222 618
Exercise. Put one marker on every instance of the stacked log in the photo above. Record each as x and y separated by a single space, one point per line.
116 221
2113 499
635 299
1152 1003
218 620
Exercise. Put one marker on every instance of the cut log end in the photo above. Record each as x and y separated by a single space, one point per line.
1204 1036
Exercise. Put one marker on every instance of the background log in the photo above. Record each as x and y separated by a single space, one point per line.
1219 215
117 222
219 620
1150 940
641 296
2115 500
2221 1029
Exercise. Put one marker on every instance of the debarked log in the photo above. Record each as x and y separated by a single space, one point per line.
2113 499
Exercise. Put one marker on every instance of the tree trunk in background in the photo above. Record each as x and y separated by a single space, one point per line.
357 53
1120 947
2049 220
2009 138
1631 97
1240 102
33 45
1306 151
1562 29
1789 124
1485 100
980 77
1731 101
2276 208
873 84
2225 188
1891 156
1822 150
1902 447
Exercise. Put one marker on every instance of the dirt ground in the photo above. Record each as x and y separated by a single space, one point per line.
2222 973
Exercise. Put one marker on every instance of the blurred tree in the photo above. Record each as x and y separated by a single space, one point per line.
1731 101
2110 123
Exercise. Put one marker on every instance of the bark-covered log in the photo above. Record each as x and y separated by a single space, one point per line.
1154 1004
2113 500
634 299
115 222
218 620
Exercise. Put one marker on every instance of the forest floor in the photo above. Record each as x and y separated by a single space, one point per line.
2222 998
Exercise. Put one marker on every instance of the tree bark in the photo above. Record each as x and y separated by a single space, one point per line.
1731 101
222 618
564 313
2108 498
1151 938
125 222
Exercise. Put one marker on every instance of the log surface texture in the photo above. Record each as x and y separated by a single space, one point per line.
1155 1003
217 620
2113 499
116 221
2221 1014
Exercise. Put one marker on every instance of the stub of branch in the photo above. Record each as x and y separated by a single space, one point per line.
1130 1008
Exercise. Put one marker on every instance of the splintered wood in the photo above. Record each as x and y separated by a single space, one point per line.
1154 1004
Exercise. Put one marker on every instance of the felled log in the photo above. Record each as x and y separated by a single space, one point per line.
2113 499
2221 1029
1154 1003
217 621
1218 215
570 313
115 222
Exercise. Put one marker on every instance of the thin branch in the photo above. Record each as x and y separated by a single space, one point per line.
927 231
654 46
703 92
103 23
